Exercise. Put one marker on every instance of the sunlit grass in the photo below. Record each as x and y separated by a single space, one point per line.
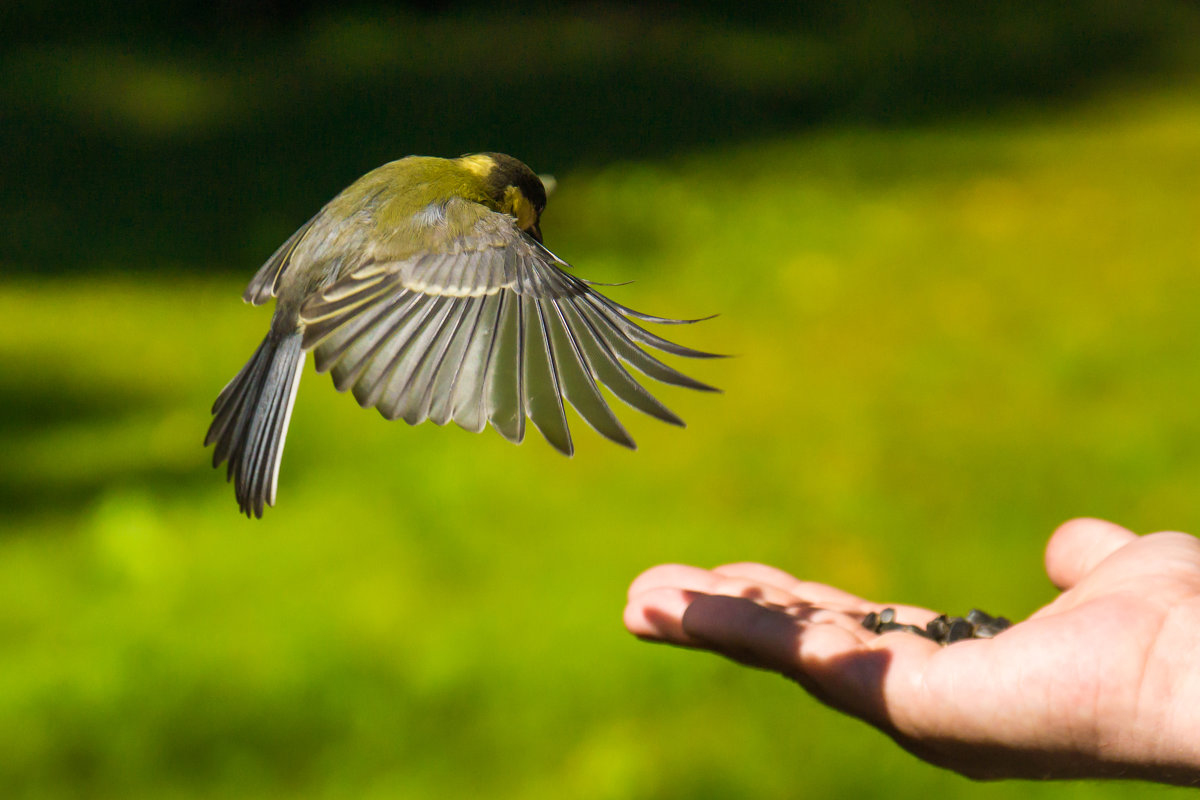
948 340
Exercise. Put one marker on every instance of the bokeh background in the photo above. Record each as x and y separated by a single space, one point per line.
954 247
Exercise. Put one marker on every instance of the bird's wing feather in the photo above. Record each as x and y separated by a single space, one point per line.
484 326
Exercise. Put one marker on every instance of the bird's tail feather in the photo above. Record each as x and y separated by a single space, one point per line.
250 420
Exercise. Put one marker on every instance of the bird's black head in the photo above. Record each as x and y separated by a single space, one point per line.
514 187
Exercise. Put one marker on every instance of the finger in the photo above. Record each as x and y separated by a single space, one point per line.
1078 546
706 581
760 583
766 637
657 615
668 575
816 593
823 595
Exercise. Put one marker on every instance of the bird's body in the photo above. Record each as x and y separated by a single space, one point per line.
425 289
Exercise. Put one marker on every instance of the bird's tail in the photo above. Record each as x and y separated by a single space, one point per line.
250 420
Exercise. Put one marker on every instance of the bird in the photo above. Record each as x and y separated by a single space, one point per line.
426 290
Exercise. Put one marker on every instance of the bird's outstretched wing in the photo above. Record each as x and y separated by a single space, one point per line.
486 327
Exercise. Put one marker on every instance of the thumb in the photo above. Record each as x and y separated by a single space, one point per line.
1078 546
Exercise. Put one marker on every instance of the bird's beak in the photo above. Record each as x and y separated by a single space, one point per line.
535 230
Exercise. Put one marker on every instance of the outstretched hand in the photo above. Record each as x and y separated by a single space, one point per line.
1103 681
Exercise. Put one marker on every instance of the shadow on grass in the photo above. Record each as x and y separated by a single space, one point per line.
132 150
23 498
65 445
34 407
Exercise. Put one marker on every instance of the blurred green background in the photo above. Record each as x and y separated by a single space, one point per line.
954 249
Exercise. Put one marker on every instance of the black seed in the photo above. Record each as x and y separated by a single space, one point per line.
871 622
977 617
959 629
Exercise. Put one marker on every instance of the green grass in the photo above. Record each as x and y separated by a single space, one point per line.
949 339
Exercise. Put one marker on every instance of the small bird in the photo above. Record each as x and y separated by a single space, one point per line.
424 287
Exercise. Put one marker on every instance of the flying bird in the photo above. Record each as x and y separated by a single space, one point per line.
425 289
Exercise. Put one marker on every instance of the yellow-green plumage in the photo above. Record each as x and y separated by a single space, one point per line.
424 289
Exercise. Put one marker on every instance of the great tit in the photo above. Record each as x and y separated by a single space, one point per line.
426 290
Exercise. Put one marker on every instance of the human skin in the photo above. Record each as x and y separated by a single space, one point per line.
1104 681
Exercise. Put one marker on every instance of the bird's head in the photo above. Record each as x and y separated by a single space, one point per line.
513 187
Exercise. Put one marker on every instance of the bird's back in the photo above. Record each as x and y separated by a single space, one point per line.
393 212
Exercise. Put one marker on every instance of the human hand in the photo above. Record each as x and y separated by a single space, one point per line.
1102 682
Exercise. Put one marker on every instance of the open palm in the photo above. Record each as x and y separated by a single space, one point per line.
1103 681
